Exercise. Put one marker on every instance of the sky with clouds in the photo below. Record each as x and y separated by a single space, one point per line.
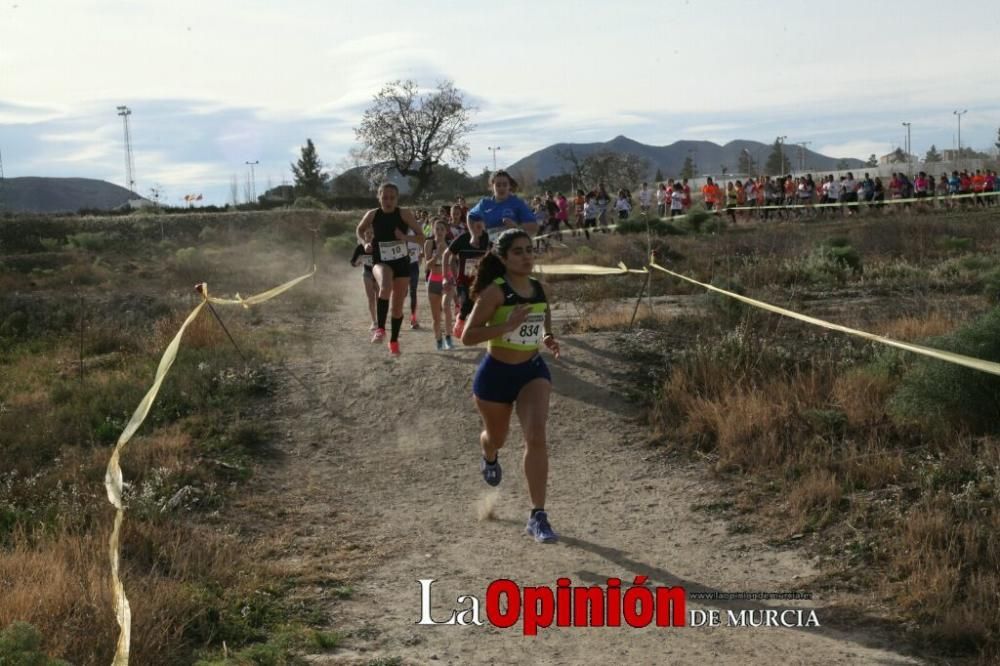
215 83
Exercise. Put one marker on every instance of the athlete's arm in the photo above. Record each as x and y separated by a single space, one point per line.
429 252
526 217
412 223
549 339
477 330
365 224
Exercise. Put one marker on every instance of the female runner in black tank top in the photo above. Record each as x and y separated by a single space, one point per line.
392 262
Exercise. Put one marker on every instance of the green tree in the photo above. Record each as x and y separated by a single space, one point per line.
898 157
308 171
412 132
689 169
777 162
872 161
932 155
746 165
843 164
659 174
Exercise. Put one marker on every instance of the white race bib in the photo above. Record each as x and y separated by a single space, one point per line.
367 260
472 264
392 250
414 252
530 332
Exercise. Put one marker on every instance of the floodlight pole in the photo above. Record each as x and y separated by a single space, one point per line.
125 112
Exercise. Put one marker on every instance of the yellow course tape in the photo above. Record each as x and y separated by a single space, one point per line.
585 269
113 481
950 357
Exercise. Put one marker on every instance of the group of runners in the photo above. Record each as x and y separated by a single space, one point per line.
764 195
482 269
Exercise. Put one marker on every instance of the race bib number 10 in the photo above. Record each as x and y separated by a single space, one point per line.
392 250
528 334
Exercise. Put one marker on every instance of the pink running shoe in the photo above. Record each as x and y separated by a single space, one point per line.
378 335
394 348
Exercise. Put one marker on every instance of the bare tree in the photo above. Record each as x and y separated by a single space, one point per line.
614 169
413 132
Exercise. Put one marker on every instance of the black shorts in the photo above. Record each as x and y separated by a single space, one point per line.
400 267
435 288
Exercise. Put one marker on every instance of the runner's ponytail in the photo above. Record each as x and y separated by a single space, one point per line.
490 268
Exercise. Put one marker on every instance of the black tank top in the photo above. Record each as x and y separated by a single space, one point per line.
385 225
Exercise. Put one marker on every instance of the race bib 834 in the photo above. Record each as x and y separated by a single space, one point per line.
528 334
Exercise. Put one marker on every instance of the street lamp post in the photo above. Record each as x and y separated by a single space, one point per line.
494 149
959 114
909 148
802 154
253 181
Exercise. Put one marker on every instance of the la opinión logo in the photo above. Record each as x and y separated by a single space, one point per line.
637 605
566 605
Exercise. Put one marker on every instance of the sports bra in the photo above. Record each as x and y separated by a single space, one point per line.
528 336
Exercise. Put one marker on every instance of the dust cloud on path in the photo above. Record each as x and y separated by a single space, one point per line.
378 486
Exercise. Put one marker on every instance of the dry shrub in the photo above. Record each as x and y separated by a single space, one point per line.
862 396
202 333
168 447
945 570
751 424
912 329
814 499
876 465
61 584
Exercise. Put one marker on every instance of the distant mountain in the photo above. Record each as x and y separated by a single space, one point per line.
33 194
709 158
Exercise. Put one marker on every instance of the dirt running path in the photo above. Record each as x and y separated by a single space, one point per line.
378 498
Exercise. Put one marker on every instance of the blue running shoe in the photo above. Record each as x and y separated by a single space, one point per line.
538 527
491 471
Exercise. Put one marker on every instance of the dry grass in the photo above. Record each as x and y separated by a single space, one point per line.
862 397
60 583
189 589
815 499
912 328
202 333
